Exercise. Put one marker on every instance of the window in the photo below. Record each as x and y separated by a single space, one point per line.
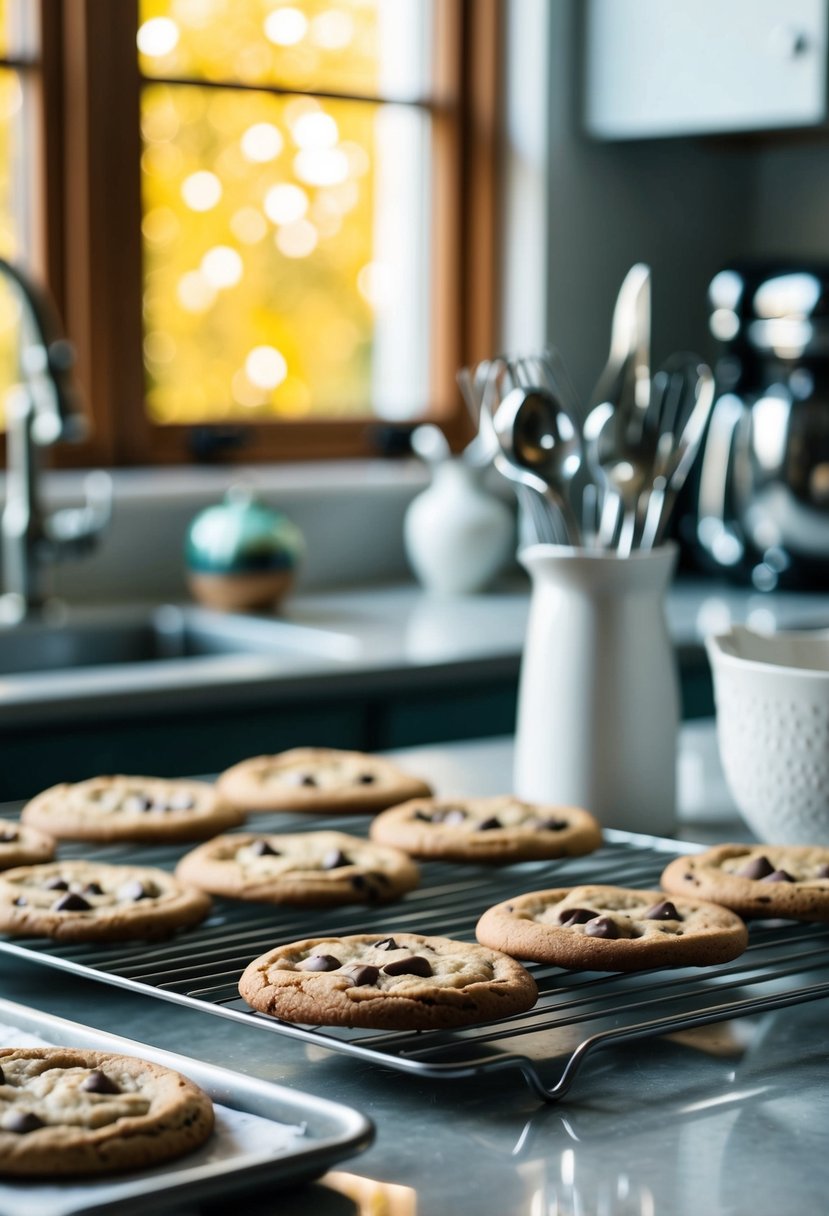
270 222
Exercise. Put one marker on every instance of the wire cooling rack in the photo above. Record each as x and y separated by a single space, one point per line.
577 1013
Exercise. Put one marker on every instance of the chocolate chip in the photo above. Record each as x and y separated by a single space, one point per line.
2 1077
366 884
414 965
758 867
423 816
602 926
488 824
388 943
20 1122
552 825
362 974
576 916
261 848
295 778
779 876
366 779
56 884
8 836
71 903
664 910
334 859
319 962
99 1083
20 902
823 871
133 891
93 888
307 779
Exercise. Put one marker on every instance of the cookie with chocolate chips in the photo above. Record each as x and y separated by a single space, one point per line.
396 982
21 845
67 1112
603 928
318 779
311 869
91 901
764 880
150 809
492 830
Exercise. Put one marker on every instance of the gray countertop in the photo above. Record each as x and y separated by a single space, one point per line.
370 637
730 1120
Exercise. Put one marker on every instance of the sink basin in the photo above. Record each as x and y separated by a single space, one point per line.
103 637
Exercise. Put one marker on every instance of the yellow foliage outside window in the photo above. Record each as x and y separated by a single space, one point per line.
264 220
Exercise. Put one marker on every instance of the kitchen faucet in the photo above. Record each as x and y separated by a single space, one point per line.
42 409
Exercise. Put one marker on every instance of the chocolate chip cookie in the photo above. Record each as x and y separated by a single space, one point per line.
318 779
132 808
92 901
494 830
23 846
602 928
764 880
313 869
399 982
66 1112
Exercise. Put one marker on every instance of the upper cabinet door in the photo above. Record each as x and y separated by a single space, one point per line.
692 67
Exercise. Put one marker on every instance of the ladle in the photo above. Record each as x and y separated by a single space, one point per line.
538 435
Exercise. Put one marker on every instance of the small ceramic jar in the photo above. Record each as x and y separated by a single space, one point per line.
242 554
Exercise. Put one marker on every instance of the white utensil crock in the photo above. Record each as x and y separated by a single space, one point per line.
598 704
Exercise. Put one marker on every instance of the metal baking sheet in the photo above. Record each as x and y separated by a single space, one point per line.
266 1135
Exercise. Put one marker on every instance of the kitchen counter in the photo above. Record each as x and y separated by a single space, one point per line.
369 638
724 1121
371 669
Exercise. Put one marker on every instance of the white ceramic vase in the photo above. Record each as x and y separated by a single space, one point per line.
457 535
598 705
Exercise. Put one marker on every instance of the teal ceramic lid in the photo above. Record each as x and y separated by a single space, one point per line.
242 534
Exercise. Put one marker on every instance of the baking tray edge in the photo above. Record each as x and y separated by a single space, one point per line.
343 1132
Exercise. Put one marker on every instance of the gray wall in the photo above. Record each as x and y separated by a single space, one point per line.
685 206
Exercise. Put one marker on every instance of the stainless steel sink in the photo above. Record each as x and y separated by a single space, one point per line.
157 635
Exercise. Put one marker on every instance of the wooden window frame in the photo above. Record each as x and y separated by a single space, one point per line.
92 234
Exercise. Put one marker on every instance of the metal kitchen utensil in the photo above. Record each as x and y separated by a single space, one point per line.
621 395
684 394
472 382
625 381
537 524
620 458
538 435
646 459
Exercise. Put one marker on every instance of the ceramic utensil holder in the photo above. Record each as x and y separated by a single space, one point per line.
598 705
457 535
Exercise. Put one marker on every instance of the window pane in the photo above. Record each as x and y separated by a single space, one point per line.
368 47
284 252
15 211
18 28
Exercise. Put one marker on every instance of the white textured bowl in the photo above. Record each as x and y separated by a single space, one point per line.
772 700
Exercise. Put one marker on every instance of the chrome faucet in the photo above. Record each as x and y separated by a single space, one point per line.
42 408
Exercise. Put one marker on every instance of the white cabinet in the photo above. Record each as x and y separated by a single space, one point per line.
686 67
